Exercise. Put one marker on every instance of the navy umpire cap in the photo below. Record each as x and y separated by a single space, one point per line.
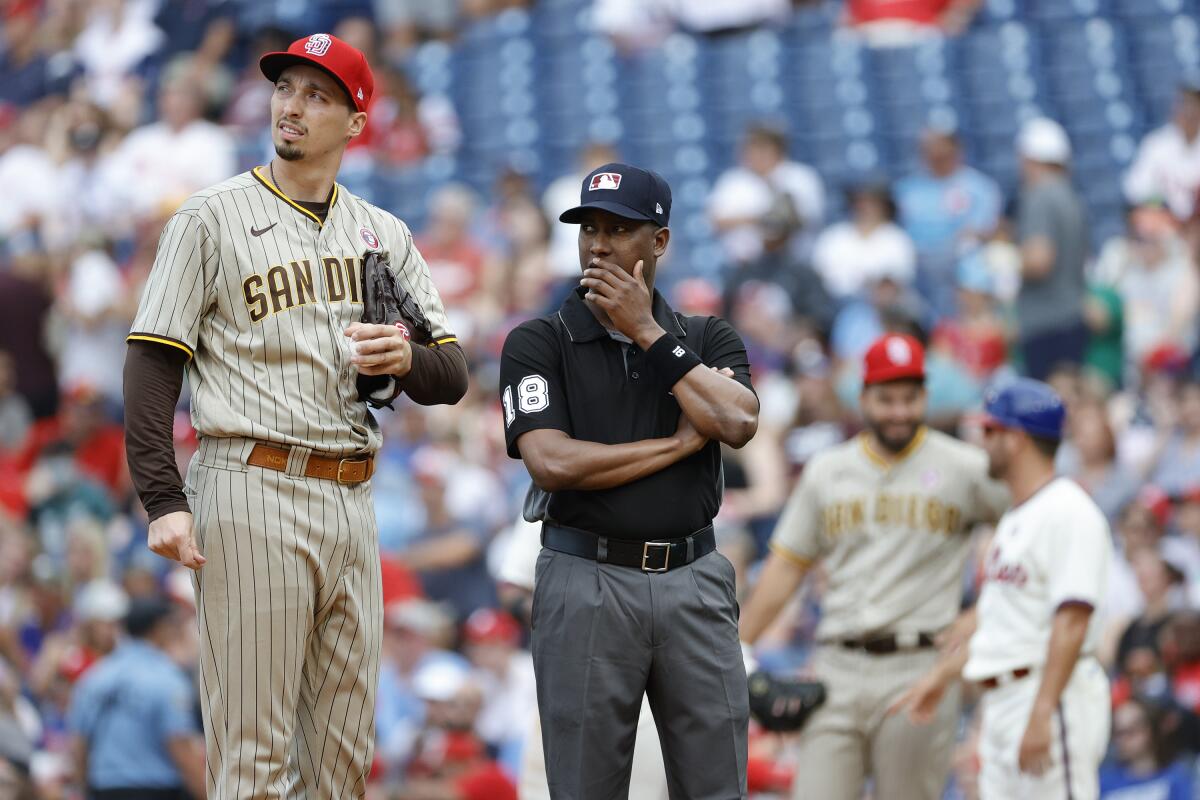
625 190
1026 405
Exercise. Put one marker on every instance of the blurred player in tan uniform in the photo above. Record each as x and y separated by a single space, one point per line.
888 516
256 290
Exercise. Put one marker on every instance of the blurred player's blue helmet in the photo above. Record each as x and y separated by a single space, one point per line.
1026 405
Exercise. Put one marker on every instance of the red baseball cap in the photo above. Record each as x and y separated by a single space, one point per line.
344 62
489 626
1157 502
894 357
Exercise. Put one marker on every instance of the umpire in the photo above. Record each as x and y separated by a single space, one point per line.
618 406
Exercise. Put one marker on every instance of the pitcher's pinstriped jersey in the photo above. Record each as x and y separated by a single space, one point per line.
258 291
892 538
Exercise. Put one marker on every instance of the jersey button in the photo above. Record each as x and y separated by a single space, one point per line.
634 375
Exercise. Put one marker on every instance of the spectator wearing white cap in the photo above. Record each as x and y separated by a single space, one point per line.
415 631
66 655
1052 234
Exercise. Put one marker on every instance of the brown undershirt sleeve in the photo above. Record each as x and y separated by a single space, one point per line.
153 380
438 375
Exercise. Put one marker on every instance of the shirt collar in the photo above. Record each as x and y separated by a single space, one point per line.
582 325
258 173
896 459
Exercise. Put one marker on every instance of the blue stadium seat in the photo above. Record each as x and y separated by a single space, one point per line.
1152 8
1059 10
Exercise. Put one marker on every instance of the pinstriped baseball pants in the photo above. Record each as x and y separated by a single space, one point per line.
290 614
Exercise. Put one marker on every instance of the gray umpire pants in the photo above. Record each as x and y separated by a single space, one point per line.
604 635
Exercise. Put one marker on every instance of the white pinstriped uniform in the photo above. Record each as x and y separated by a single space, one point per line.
1053 549
258 291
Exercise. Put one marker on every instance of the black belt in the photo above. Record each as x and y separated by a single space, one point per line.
889 643
658 556
138 794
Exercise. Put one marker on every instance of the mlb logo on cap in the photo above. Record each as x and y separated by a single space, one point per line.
625 190
605 180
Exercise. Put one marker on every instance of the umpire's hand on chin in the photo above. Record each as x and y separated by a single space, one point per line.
624 297
171 537
380 349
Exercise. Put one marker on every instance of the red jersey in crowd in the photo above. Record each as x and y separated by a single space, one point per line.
925 12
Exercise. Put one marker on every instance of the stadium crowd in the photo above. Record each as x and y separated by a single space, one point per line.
113 111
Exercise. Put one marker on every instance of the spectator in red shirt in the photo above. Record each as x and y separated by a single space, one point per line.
82 430
894 22
975 338
1180 644
458 770
394 133
449 760
455 258
950 15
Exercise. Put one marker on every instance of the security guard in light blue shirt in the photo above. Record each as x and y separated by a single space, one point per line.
133 716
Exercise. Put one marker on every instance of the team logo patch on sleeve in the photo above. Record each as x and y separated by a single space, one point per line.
318 44
368 236
605 180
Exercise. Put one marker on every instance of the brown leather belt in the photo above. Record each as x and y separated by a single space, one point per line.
1005 678
355 469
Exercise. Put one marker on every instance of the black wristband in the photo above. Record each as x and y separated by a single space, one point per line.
671 359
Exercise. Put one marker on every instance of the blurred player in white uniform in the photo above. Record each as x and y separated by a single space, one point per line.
1046 702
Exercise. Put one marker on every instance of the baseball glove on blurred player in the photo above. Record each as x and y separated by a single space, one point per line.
783 704
385 302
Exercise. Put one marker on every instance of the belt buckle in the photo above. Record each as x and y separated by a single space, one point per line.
666 550
341 467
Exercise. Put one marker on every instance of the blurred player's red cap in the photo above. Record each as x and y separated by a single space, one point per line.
1155 501
894 357
488 626
344 62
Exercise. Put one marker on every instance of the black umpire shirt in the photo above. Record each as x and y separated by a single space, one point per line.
569 373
